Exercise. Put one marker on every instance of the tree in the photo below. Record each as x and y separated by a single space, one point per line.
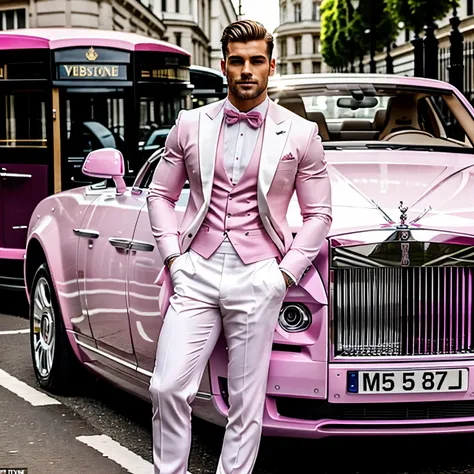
343 37
416 14
328 31
341 41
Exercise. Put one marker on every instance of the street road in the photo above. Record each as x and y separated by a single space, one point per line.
102 429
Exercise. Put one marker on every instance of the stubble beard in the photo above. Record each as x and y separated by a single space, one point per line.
247 95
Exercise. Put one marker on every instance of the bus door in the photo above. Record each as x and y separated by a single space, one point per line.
24 159
92 118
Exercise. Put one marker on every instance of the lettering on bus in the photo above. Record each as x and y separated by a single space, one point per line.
92 72
173 74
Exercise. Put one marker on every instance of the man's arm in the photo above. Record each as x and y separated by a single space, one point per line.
313 190
164 192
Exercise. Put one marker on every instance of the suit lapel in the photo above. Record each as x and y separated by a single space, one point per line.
209 128
274 141
276 132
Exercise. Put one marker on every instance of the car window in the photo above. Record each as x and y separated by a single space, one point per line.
380 114
159 138
148 176
145 180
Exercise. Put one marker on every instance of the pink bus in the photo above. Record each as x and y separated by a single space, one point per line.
65 92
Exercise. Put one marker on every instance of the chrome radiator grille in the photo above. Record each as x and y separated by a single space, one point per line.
402 311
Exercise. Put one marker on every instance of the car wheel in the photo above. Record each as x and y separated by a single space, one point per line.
55 364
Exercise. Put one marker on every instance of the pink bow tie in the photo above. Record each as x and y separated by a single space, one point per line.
253 118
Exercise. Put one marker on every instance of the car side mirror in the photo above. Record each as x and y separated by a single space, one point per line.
107 163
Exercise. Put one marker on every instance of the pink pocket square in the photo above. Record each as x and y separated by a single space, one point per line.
288 157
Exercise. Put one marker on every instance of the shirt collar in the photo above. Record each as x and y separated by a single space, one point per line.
262 108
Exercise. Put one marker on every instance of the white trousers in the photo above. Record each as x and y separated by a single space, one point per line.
210 295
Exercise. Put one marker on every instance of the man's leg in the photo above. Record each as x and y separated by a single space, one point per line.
250 308
188 336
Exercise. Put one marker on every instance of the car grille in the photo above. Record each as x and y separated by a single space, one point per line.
402 311
306 409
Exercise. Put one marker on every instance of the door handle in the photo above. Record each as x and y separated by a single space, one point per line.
143 246
91 234
120 243
5 174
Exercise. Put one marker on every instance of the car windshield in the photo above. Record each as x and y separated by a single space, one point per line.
381 116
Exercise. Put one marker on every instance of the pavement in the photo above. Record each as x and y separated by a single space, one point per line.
103 429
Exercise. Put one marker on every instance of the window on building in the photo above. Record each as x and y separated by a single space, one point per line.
316 16
296 68
163 6
470 7
316 67
283 13
177 39
297 44
13 19
407 35
297 12
284 69
177 6
315 44
283 47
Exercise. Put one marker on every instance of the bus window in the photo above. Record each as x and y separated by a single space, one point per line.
210 85
23 122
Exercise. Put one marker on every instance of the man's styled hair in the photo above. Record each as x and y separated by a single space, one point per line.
244 31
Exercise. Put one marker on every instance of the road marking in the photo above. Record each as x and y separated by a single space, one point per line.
35 397
118 453
18 331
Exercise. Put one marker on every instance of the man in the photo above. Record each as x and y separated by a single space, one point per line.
232 257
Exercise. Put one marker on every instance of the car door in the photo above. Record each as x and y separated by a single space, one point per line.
106 233
144 265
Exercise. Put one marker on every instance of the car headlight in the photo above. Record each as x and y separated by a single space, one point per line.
294 317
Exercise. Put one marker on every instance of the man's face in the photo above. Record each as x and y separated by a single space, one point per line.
247 68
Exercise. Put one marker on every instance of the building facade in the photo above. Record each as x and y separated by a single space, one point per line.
298 41
195 25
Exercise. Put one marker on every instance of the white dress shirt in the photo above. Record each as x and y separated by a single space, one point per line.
240 140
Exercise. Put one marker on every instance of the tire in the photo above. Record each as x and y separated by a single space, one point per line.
56 366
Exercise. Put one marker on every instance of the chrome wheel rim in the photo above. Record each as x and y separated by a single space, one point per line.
44 334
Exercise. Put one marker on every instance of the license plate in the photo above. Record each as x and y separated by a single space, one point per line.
409 381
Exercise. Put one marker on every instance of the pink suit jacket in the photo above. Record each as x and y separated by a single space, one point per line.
292 159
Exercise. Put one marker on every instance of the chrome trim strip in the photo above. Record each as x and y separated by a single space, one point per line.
91 234
200 395
104 354
144 372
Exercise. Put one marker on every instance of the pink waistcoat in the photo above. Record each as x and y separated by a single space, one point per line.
233 212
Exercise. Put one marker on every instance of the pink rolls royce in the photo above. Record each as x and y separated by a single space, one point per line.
379 337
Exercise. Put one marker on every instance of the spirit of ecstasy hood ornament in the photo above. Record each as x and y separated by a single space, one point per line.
403 210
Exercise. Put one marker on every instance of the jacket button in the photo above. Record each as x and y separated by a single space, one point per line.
190 235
